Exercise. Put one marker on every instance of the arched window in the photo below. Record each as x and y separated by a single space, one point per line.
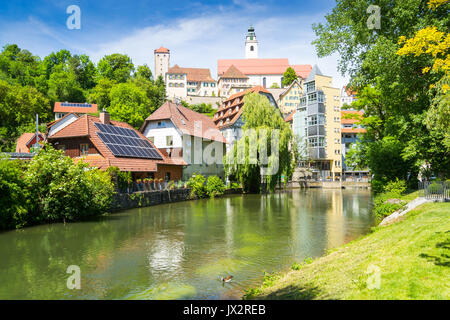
264 82
251 48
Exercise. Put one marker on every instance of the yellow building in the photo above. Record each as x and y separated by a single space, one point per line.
290 97
318 121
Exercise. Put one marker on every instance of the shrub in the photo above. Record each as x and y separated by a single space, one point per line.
215 186
377 185
235 185
435 188
13 194
395 187
121 178
197 184
296 266
63 190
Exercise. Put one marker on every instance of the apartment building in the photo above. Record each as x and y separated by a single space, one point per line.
317 124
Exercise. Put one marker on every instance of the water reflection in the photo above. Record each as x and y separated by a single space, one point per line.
178 251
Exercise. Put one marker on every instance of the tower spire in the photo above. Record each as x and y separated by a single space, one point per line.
251 44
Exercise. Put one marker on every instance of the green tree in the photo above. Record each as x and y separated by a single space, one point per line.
100 94
143 72
63 190
289 76
260 115
18 108
63 86
84 70
392 89
13 194
117 67
129 103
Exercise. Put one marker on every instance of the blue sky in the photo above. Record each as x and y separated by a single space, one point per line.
197 33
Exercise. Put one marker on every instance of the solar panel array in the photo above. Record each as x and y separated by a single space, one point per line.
124 142
78 105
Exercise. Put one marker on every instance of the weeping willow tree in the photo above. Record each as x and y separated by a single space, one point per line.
264 152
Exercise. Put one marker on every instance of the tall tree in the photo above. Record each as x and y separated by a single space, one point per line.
259 115
117 67
289 76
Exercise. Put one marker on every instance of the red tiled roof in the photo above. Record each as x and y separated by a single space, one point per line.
233 72
290 117
193 74
346 114
185 120
302 70
84 126
24 141
353 130
76 108
261 66
162 50
228 107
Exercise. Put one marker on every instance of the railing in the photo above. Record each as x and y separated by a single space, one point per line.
435 189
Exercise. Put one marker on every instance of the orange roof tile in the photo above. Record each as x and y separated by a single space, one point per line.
290 117
162 50
185 120
261 66
346 114
353 130
233 72
75 107
193 74
24 141
235 100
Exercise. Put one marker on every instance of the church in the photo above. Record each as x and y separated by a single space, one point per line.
255 71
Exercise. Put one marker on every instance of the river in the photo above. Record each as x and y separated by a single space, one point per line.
179 250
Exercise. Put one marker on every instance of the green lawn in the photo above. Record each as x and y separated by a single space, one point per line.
413 257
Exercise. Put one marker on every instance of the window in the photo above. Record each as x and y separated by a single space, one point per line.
312 97
169 140
61 147
264 82
312 120
160 123
84 149
311 86
167 176
152 139
251 47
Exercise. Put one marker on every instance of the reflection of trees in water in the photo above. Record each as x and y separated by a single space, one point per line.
143 247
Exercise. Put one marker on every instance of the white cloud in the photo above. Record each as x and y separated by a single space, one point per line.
200 41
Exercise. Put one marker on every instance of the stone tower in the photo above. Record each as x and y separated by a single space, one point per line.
251 44
162 62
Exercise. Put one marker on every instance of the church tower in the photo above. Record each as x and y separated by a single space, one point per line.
251 44
162 62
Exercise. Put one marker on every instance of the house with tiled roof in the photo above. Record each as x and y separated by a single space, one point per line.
288 98
347 96
187 136
62 108
104 143
228 116
183 82
27 140
232 81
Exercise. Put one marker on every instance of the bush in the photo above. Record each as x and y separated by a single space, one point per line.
395 187
121 178
13 194
382 208
215 186
377 185
63 190
197 184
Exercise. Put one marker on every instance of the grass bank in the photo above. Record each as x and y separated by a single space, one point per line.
413 257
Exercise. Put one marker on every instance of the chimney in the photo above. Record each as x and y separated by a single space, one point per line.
104 117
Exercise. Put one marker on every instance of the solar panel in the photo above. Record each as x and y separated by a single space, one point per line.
78 105
124 142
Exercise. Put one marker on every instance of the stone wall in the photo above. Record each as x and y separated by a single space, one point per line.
123 201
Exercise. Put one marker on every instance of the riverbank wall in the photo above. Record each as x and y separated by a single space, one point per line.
123 201
327 185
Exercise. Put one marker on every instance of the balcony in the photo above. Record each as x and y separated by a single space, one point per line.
317 153
316 108
316 130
